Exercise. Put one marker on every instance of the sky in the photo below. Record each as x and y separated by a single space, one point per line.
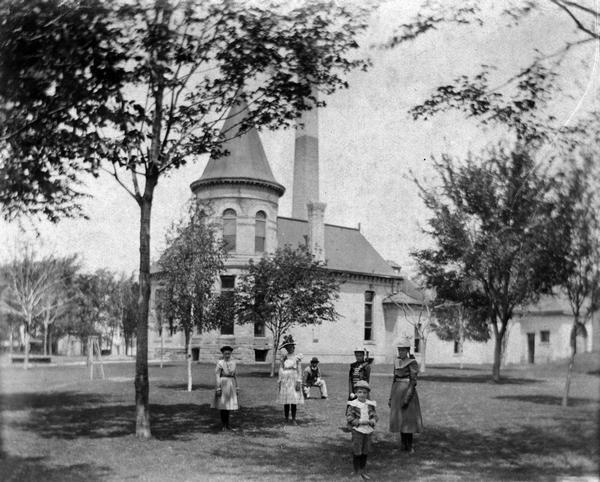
369 145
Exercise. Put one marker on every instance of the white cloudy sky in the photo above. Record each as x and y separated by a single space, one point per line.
368 143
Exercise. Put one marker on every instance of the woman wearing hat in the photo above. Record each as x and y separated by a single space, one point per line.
405 410
290 379
226 393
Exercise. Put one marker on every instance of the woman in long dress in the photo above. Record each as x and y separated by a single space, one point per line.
226 399
290 379
405 410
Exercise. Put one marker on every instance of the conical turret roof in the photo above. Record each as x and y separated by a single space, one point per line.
245 161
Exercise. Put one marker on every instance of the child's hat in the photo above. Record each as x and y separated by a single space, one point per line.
403 342
362 384
314 360
225 348
360 349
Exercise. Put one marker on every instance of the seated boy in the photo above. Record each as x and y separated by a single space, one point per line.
311 377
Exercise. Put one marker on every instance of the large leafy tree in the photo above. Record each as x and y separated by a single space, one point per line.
190 265
512 96
141 88
495 223
288 288
582 261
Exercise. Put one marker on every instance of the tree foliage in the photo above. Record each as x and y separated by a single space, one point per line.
288 288
139 89
190 265
496 224
582 261
515 100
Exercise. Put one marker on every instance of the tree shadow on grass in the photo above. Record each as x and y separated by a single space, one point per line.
482 379
183 386
17 469
548 399
255 374
69 415
528 453
48 400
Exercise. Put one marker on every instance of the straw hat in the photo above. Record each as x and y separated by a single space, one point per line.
403 342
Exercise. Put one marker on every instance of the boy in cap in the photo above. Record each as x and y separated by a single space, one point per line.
361 417
311 377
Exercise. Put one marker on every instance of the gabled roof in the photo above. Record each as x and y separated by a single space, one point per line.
402 298
346 249
245 160
547 305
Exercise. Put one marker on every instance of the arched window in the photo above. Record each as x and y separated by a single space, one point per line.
229 229
260 232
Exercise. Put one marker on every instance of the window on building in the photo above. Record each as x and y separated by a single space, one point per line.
260 232
260 355
259 329
229 229
369 296
544 336
227 287
417 339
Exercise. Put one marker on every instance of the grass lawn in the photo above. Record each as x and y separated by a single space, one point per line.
59 426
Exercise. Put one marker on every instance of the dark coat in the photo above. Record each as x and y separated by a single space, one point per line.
405 409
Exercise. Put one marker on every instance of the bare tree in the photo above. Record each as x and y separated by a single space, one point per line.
420 314
32 284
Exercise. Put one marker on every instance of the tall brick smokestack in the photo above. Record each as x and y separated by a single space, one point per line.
306 163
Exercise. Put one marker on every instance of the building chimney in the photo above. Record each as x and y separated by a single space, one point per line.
306 162
316 229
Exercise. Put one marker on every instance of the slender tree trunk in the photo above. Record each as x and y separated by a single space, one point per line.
189 360
162 344
142 406
461 336
45 338
274 359
423 367
498 349
26 362
11 340
573 342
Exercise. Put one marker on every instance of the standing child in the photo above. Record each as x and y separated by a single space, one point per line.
290 379
361 417
359 370
226 392
311 377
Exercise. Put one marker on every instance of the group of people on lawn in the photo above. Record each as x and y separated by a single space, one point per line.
294 386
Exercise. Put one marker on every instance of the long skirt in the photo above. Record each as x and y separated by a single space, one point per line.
405 420
287 389
228 399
